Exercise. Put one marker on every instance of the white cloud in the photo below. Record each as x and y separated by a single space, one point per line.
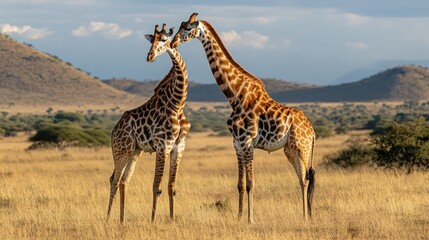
26 31
109 30
262 20
244 39
355 19
138 20
357 45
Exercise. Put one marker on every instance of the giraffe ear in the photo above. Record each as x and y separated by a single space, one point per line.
149 37
171 31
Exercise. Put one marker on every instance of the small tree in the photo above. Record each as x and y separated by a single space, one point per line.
62 135
402 145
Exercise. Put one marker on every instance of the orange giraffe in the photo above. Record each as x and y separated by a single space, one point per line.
257 121
159 125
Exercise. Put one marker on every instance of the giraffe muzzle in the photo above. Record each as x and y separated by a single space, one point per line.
150 56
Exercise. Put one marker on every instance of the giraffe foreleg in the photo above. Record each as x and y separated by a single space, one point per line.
159 171
174 167
175 158
250 184
240 187
245 166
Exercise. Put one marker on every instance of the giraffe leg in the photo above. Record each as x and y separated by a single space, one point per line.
241 177
174 163
159 171
174 167
304 188
114 183
113 190
250 183
129 170
244 151
298 160
240 187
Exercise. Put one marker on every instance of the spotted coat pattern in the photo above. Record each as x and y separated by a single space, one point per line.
159 126
257 121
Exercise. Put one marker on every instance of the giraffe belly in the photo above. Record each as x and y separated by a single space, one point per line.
146 147
272 146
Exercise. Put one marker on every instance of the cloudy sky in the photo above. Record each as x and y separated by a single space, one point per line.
302 41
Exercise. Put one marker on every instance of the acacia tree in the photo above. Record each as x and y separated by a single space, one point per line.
402 145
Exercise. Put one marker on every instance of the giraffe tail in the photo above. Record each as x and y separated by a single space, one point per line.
312 180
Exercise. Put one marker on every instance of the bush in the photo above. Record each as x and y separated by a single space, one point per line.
402 145
62 135
68 116
395 145
357 154
197 127
322 131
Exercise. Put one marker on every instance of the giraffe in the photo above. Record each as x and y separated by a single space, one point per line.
257 121
159 125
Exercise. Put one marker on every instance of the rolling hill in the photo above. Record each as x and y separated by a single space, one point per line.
396 84
33 78
29 76
408 82
199 92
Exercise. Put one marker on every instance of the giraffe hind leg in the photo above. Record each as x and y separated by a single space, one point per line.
115 179
114 184
298 161
112 195
128 172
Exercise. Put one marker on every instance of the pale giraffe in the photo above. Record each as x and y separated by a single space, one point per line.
257 121
159 125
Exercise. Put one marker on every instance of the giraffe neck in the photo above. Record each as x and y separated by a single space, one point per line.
235 82
179 83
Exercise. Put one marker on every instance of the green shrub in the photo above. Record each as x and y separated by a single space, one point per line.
357 154
68 116
323 131
395 146
62 135
197 127
402 145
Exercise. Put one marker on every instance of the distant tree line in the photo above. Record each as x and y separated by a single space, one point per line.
327 120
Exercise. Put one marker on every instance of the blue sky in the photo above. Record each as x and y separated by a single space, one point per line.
301 41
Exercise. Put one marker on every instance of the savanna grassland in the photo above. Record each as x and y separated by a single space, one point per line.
63 194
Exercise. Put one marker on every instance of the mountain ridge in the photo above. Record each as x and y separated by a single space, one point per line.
407 82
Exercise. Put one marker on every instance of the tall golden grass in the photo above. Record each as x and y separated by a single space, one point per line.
53 194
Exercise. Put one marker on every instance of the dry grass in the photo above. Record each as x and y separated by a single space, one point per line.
64 195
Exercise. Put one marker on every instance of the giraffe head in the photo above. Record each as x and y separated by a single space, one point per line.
160 42
188 30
